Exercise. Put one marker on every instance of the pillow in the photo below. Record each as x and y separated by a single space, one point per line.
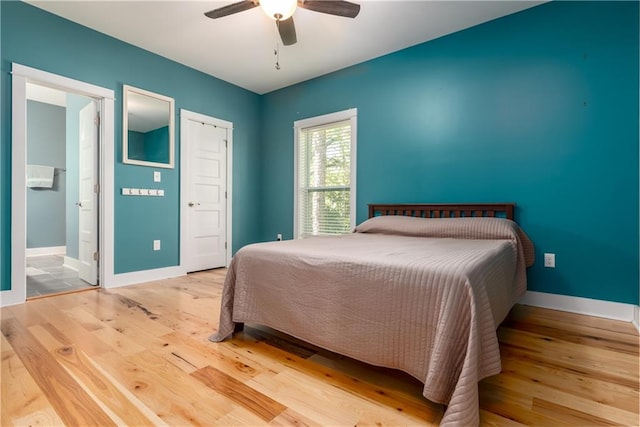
457 228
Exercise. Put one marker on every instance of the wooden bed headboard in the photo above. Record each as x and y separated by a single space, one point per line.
445 210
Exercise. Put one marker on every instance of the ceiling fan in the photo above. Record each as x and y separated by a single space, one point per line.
282 10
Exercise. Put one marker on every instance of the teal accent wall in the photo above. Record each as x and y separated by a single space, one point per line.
152 146
141 220
135 145
538 108
46 142
38 39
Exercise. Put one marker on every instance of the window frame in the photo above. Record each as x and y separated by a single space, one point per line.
350 115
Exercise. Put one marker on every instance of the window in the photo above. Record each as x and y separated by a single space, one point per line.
325 171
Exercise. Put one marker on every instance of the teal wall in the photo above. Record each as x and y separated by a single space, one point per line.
46 142
539 108
38 39
135 145
152 146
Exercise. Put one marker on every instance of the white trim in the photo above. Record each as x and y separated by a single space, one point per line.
636 317
72 263
51 250
190 115
125 279
46 95
21 75
338 116
354 168
18 292
229 213
350 114
590 307
34 75
106 209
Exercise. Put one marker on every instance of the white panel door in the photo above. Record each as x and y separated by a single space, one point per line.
205 195
88 198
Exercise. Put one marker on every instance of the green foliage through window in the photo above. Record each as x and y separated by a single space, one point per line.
325 179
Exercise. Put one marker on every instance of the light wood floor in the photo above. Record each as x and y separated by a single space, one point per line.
139 355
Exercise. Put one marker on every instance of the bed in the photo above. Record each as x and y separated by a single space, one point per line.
421 288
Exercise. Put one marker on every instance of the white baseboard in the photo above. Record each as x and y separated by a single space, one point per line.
71 263
12 297
51 250
590 307
134 277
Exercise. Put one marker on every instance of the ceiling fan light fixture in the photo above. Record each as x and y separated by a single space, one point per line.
278 10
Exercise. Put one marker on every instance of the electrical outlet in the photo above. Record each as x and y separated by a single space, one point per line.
550 260
156 245
278 237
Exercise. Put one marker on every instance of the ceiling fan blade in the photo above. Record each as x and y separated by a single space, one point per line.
332 7
232 8
287 31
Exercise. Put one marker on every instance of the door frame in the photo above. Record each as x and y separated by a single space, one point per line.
190 115
21 75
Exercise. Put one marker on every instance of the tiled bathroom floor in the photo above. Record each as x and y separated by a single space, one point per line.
46 275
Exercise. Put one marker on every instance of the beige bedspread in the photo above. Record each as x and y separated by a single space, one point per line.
421 295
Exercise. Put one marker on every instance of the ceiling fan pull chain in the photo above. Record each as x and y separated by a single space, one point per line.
276 51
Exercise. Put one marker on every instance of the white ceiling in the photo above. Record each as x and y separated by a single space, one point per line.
240 48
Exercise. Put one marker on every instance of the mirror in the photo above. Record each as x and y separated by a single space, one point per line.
148 128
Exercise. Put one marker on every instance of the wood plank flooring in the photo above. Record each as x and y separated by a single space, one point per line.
139 355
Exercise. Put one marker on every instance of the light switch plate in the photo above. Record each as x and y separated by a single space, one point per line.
157 176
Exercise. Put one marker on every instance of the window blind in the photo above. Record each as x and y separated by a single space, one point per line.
325 179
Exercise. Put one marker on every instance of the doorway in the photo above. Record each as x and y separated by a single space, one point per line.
206 145
104 99
61 219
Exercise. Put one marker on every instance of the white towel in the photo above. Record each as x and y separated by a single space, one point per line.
40 176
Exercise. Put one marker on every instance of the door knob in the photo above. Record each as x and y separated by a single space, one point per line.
79 204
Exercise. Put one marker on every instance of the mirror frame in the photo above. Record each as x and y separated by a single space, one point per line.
126 90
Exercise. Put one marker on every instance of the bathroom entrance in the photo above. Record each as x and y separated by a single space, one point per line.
61 196
15 292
